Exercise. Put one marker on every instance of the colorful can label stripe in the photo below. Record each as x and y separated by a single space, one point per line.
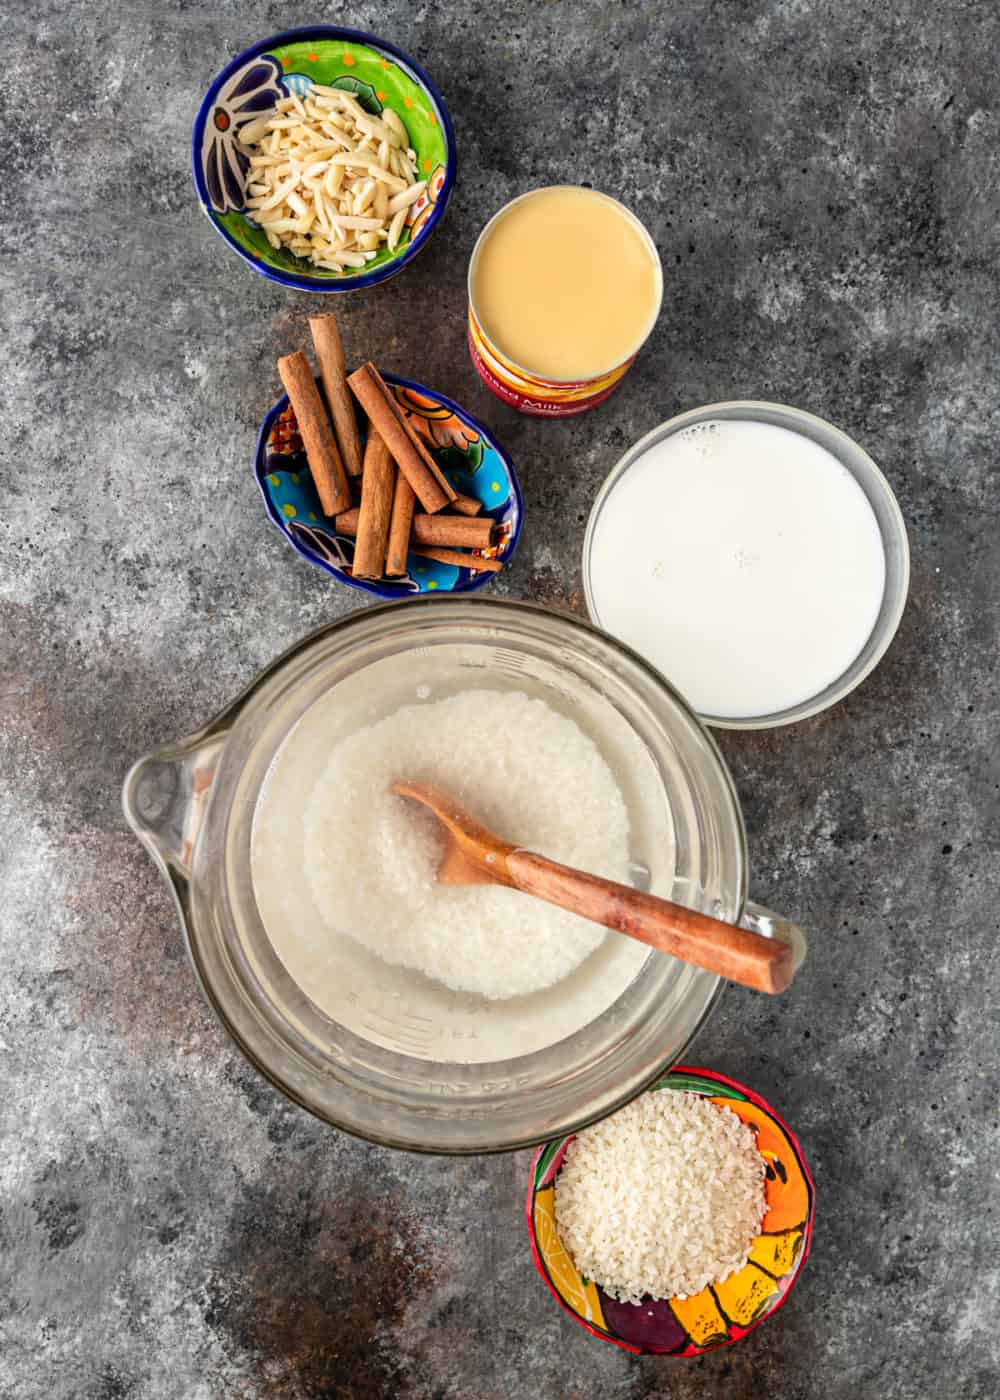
531 394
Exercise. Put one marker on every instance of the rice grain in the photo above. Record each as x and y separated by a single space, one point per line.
662 1198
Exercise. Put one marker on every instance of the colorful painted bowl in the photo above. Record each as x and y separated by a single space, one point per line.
378 74
466 453
722 1313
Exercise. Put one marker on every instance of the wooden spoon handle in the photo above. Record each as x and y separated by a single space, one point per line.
765 964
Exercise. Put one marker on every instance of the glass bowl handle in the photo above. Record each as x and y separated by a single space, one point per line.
771 925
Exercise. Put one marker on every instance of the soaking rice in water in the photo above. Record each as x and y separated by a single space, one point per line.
662 1198
524 770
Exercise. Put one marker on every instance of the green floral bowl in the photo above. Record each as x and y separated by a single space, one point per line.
378 74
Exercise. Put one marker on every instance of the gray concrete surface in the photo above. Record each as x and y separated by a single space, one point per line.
822 181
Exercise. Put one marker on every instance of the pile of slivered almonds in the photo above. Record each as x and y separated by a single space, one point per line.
329 181
394 474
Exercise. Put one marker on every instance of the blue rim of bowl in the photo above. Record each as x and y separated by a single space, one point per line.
300 281
470 585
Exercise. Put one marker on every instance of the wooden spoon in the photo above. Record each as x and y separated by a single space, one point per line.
474 855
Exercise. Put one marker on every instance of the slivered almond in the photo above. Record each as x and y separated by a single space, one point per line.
328 180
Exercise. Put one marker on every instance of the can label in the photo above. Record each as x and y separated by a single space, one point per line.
530 394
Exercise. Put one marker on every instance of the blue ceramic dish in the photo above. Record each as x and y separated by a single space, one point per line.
377 74
467 454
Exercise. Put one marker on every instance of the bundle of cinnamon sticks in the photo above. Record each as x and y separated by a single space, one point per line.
396 470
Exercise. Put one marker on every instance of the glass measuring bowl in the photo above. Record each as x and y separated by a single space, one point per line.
372 1070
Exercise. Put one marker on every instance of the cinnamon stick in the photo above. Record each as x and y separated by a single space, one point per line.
378 483
415 462
454 556
458 531
403 503
409 427
465 505
314 426
333 371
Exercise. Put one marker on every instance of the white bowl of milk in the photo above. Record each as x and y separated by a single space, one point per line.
755 555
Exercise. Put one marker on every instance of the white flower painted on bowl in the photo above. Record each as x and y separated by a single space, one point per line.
254 89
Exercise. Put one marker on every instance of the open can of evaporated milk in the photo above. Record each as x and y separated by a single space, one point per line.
565 286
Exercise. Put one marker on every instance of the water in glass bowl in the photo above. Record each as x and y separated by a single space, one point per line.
343 872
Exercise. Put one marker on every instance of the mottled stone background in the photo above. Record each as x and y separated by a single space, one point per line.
822 181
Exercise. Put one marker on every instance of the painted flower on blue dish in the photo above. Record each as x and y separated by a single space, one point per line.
253 90
420 211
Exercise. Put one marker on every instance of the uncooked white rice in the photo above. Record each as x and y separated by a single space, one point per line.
525 771
662 1198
